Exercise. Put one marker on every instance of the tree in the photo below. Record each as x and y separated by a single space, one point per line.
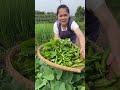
80 13
39 12
50 13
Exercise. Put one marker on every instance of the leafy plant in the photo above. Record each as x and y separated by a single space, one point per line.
7 82
49 78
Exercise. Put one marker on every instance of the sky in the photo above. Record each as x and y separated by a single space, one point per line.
51 5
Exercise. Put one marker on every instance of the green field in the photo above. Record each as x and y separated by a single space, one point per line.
44 31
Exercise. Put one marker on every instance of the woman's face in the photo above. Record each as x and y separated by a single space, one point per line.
63 16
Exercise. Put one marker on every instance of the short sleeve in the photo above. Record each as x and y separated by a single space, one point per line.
55 28
74 26
94 4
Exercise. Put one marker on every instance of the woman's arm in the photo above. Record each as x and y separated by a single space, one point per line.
55 29
110 26
108 22
81 38
56 36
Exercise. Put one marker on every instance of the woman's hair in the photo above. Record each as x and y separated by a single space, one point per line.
63 6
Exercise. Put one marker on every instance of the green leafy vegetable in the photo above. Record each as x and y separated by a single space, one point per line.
49 78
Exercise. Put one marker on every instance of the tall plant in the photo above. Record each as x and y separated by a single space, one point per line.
16 21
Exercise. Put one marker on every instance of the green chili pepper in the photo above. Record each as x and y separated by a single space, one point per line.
78 65
95 76
104 82
78 61
104 58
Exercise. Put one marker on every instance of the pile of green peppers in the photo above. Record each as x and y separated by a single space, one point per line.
96 69
62 52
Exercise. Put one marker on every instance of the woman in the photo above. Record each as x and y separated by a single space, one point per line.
64 27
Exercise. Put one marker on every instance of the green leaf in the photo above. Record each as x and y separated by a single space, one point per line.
39 75
68 86
46 87
40 83
48 74
57 85
73 88
81 87
62 86
67 75
39 62
27 43
43 68
76 77
59 73
52 85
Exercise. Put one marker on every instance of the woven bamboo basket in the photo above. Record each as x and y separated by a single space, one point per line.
76 69
26 83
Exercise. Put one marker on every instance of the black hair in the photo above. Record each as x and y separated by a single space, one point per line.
63 6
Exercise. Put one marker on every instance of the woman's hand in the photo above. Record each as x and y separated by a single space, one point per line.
82 53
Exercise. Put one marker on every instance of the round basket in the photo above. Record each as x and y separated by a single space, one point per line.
26 83
77 69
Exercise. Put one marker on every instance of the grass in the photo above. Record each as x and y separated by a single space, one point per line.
82 26
16 22
44 32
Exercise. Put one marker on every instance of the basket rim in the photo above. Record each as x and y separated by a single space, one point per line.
75 69
25 82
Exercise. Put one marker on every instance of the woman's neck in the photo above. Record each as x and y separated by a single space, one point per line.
64 27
